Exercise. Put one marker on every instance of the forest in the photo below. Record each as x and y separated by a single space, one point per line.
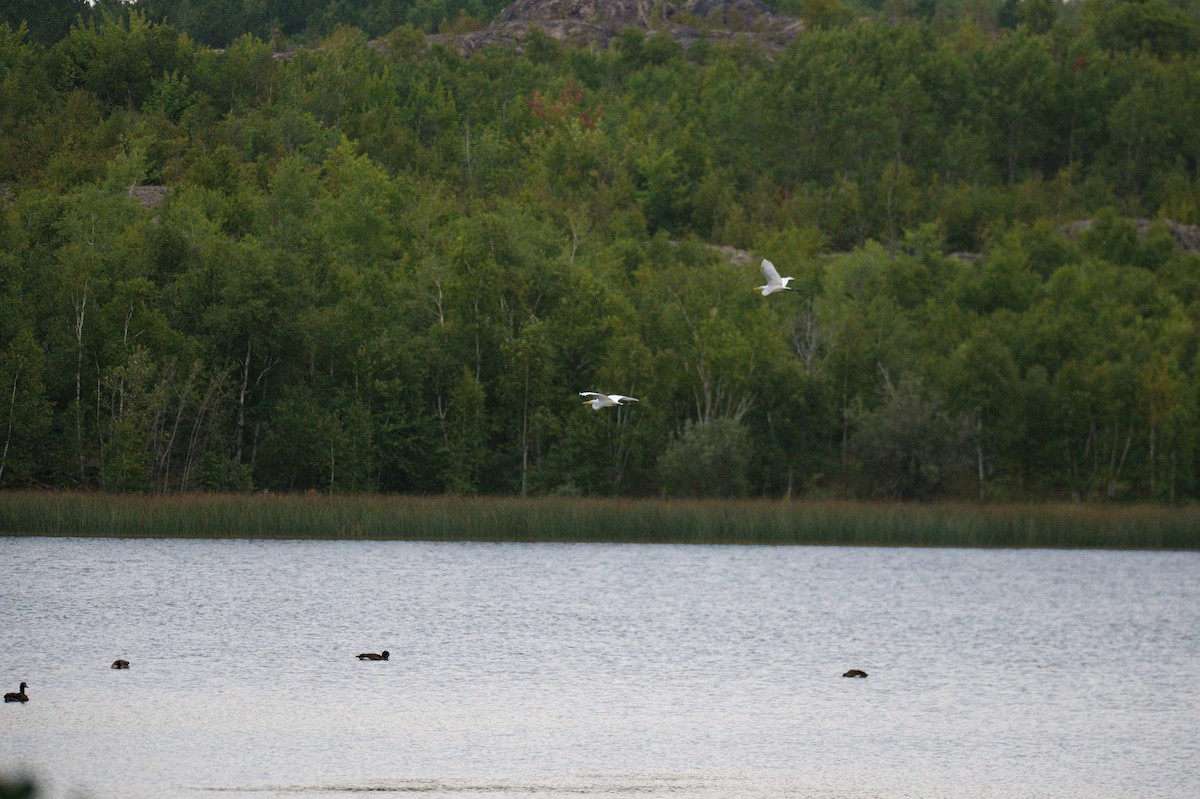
307 246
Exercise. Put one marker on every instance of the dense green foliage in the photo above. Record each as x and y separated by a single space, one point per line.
219 23
380 266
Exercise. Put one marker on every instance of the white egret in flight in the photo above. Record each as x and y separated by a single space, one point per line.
599 401
774 281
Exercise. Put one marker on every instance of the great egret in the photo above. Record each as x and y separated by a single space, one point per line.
599 401
774 281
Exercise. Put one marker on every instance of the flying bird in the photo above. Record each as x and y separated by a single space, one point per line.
774 281
599 401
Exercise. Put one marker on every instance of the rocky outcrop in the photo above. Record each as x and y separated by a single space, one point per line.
149 196
1187 237
598 22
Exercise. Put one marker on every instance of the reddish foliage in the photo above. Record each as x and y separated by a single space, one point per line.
567 107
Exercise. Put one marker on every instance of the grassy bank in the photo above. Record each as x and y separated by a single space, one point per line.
615 520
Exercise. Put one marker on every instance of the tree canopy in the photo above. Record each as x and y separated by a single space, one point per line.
299 246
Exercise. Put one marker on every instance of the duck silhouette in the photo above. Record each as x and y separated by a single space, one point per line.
120 664
855 673
373 656
17 696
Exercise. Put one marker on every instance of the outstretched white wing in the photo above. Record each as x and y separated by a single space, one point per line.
771 273
598 400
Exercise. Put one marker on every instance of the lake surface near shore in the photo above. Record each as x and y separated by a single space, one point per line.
605 670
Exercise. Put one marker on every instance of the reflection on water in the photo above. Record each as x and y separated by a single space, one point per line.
598 670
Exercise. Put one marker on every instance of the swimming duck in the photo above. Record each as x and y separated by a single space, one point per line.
120 664
855 673
19 696
373 656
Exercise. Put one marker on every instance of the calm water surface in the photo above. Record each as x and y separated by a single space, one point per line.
575 670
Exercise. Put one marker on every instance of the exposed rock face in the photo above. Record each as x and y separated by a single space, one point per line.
604 13
598 22
1187 237
149 196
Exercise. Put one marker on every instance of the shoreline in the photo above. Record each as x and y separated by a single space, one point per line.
604 520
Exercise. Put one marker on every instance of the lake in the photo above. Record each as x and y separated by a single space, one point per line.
548 670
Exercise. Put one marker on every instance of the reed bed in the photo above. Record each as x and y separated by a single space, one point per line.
598 520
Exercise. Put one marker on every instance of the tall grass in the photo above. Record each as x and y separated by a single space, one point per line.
610 520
